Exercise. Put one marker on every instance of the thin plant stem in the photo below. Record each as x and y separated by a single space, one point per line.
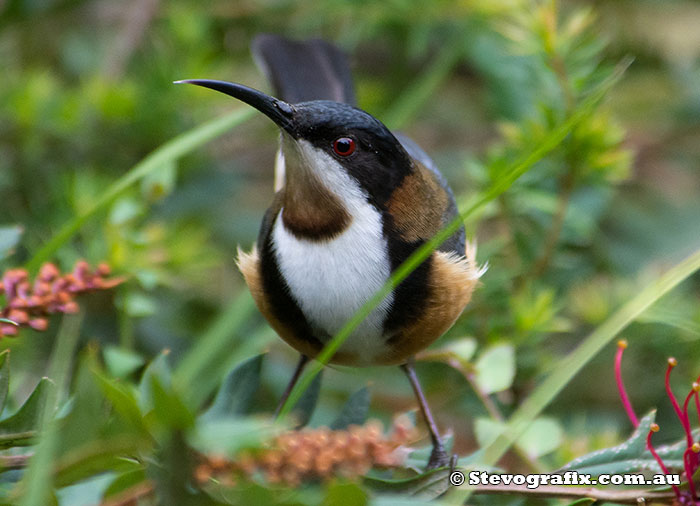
621 345
533 463
550 243
171 150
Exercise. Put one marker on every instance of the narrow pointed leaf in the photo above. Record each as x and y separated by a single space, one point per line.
355 410
631 455
158 368
125 481
121 362
427 485
237 391
169 407
304 409
20 428
123 401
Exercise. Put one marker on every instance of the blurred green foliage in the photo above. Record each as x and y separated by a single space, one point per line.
86 94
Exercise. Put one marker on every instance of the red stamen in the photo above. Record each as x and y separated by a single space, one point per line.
692 457
688 456
672 362
692 393
621 345
655 428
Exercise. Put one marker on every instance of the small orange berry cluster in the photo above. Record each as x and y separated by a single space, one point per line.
314 454
28 305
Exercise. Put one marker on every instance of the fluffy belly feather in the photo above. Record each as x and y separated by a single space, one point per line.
331 280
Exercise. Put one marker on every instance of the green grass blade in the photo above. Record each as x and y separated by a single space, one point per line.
578 358
212 356
36 485
510 176
171 150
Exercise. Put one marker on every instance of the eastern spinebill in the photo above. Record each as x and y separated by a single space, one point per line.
353 200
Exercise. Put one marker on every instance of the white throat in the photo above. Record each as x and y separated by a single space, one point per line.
332 279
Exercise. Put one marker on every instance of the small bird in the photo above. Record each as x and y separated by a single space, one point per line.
353 201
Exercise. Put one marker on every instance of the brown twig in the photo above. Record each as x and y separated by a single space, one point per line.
496 414
8 462
131 494
627 496
567 188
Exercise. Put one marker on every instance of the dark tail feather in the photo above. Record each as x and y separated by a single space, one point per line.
304 70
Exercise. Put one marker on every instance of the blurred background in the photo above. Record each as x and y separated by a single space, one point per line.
86 92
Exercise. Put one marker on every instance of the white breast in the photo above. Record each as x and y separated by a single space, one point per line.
331 280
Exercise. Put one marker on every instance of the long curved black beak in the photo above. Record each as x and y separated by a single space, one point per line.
278 111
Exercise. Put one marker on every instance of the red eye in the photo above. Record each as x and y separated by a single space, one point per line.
345 146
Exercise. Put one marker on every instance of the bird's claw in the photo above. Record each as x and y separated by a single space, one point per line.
440 458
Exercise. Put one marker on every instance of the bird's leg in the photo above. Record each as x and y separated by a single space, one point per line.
438 457
303 360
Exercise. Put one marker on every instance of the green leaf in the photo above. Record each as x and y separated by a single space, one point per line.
160 182
495 368
9 238
354 411
172 470
428 485
304 409
21 428
138 304
237 392
487 430
158 368
542 437
168 407
582 502
124 481
125 210
344 494
121 362
632 455
123 400
212 356
37 481
85 492
99 456
253 493
463 349
4 377
456 353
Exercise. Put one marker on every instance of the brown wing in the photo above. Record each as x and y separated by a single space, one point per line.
417 206
451 281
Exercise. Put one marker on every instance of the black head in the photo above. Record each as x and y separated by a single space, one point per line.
360 143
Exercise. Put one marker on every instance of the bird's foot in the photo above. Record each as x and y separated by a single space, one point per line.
440 458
